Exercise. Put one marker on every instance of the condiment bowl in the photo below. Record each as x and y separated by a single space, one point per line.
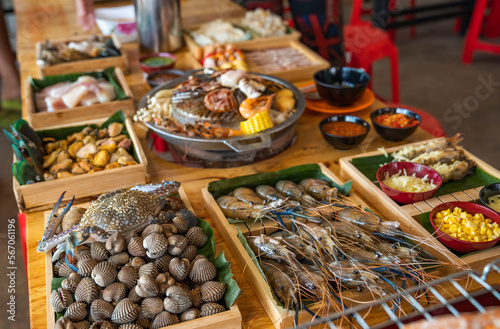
471 208
487 192
150 68
343 142
158 78
341 86
394 134
410 168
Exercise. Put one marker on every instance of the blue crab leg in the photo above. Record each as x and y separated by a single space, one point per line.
74 239
53 223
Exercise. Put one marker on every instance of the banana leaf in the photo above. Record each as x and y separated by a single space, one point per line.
108 74
208 250
368 166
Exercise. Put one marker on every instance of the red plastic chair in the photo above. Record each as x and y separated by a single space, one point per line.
472 42
429 122
368 44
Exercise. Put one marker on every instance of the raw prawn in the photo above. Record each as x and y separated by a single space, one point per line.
267 247
251 88
233 208
246 194
294 191
349 231
352 275
269 193
300 247
314 232
369 221
251 106
283 287
319 189
220 100
370 257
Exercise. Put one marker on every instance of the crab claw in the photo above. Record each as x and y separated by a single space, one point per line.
54 222
74 239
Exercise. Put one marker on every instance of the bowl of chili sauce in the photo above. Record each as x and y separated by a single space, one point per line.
395 123
344 132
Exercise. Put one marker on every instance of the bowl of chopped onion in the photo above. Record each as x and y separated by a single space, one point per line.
466 226
408 182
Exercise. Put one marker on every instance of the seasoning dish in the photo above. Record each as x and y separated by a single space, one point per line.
157 61
408 169
346 135
341 86
472 209
158 78
487 193
395 133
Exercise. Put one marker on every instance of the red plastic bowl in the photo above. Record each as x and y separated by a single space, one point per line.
150 69
420 171
471 208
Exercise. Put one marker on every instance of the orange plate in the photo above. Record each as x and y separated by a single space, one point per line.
322 106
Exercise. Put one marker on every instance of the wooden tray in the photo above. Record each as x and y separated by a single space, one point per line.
278 315
293 75
85 65
38 120
43 195
412 212
230 319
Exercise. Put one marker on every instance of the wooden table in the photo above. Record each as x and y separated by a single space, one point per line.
38 20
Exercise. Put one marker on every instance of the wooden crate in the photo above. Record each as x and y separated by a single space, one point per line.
38 120
293 75
230 319
84 65
43 195
280 317
412 212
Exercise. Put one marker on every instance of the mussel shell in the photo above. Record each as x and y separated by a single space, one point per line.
114 293
125 311
202 271
86 266
101 310
98 251
211 309
86 291
212 291
179 268
129 276
197 237
60 299
177 300
104 274
164 319
76 312
156 245
151 306
191 314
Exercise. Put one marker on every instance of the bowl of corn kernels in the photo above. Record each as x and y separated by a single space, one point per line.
466 226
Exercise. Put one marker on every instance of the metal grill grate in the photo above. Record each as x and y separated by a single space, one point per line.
463 301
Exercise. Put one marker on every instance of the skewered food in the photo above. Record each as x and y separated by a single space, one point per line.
278 59
94 47
85 91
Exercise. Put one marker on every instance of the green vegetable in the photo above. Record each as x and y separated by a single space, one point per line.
157 61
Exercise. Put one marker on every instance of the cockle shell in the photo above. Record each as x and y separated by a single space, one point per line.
115 243
60 299
82 325
164 319
148 269
64 323
72 217
134 297
61 269
102 325
164 282
196 258
129 276
202 271
120 259
188 216
197 237
142 320
86 291
162 263
153 228
71 282
177 244
179 268
76 312
130 326
191 314
135 246
147 286
137 262
156 245
101 310
86 266
195 294
104 274
211 309
177 300
189 253
125 311
84 254
98 251
212 291
150 307
181 225
114 293
169 230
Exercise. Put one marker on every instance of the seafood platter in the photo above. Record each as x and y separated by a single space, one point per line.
154 268
309 246
84 160
257 27
224 118
77 97
463 176
286 59
79 54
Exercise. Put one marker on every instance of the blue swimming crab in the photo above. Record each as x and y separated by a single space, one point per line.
125 210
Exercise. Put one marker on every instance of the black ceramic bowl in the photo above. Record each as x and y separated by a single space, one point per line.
341 88
158 78
487 192
394 134
341 142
